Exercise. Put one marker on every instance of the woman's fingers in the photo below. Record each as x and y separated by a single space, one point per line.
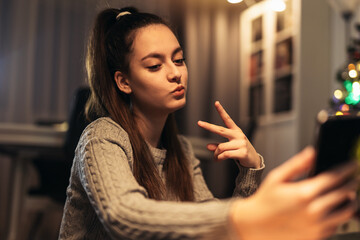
224 132
332 179
225 116
233 149
295 167
333 199
212 146
339 217
235 154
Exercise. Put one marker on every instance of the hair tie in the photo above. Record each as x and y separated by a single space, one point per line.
122 14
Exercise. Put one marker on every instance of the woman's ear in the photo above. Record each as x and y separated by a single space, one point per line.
122 82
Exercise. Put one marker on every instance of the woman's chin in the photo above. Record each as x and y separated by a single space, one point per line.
180 104
174 108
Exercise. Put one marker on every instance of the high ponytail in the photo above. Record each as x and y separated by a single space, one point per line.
108 51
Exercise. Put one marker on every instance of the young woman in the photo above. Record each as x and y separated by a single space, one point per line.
133 177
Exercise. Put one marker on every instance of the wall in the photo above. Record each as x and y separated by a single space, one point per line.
315 66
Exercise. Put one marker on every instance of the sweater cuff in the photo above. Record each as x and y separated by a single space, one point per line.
252 173
248 179
243 169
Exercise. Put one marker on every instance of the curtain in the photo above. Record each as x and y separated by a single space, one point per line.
42 46
212 55
212 35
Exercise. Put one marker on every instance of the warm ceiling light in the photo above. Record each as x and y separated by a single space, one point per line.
278 5
234 1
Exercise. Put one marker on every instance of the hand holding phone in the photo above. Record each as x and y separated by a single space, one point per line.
338 141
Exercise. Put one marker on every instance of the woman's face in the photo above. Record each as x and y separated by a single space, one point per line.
158 74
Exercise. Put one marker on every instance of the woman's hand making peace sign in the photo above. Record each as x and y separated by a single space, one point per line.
238 147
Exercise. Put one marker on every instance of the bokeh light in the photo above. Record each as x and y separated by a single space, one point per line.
348 85
234 1
344 108
338 94
353 73
344 75
338 113
351 66
277 5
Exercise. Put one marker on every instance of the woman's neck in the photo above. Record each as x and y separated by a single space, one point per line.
151 127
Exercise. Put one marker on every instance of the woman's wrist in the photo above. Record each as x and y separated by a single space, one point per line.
260 164
245 218
236 217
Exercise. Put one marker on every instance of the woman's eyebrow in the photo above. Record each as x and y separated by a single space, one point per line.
158 55
178 49
152 55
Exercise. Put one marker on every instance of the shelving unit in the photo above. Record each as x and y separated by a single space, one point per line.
268 69
269 88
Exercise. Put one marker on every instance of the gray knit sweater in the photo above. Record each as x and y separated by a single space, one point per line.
104 201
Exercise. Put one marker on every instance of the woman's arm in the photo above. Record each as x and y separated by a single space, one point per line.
121 204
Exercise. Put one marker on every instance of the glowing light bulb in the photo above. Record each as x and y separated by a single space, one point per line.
338 94
277 5
234 1
353 73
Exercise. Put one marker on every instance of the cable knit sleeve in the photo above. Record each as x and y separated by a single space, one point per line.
103 167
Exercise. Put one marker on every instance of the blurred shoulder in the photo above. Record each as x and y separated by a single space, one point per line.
104 128
186 144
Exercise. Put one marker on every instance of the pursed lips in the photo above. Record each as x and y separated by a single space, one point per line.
178 88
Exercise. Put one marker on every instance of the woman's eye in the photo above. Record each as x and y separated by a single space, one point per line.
179 61
154 67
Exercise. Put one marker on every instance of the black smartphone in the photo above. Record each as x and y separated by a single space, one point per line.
338 141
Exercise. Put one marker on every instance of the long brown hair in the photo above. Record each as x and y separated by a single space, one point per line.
108 51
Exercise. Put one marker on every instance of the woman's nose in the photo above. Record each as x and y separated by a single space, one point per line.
174 73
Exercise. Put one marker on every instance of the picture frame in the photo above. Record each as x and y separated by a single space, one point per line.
256 66
257 29
283 99
284 54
